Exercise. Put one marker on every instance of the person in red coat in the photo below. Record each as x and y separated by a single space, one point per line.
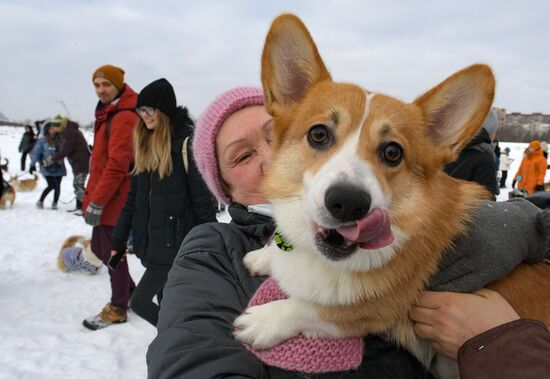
109 182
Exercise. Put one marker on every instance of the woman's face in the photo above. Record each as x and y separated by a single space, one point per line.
150 117
52 130
243 151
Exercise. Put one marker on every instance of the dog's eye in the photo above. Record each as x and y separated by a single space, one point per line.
319 136
392 154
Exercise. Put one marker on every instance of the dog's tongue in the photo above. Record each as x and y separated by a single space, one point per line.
371 232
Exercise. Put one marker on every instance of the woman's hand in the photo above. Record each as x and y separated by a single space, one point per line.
450 319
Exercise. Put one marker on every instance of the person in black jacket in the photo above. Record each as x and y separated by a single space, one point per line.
167 197
75 148
209 286
477 161
26 145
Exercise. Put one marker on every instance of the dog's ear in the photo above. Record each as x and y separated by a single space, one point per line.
456 108
291 64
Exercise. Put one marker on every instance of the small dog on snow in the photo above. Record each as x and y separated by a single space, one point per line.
25 182
76 255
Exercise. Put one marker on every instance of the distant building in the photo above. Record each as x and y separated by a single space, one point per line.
520 127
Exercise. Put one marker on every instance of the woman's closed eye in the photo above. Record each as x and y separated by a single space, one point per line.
243 157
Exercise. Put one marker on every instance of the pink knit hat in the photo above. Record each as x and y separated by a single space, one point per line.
311 355
208 126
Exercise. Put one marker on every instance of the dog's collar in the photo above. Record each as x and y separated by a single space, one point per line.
281 242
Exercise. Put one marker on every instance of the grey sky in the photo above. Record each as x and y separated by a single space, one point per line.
402 48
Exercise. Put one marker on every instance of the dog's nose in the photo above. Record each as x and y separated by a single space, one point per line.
347 202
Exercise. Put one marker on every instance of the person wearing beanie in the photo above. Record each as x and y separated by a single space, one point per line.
477 161
209 286
48 145
168 196
531 172
109 182
115 75
505 163
75 147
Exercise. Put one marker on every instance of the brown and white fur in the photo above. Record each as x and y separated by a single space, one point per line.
7 197
24 185
330 134
72 241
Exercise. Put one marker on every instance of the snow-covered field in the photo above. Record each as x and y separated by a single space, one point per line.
41 332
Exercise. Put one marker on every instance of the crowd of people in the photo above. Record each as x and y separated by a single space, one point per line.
154 180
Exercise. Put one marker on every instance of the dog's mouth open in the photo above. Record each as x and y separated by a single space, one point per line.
371 232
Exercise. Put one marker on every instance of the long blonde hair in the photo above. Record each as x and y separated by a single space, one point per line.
153 147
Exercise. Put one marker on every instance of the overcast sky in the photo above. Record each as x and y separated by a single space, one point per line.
49 49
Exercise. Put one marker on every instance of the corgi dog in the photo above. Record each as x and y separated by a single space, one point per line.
80 259
24 183
357 187
7 197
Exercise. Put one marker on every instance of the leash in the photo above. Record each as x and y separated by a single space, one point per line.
68 202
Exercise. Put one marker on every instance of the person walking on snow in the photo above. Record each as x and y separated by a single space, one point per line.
75 148
168 196
505 163
25 146
46 146
109 183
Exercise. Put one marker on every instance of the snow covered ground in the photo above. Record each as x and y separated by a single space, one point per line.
41 335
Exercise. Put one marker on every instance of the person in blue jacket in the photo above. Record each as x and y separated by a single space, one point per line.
46 146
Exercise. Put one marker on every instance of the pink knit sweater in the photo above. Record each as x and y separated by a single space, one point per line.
305 354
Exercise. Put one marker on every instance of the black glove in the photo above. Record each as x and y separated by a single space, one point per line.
539 187
32 170
93 214
514 183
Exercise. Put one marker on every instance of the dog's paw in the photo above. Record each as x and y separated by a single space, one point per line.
258 262
266 325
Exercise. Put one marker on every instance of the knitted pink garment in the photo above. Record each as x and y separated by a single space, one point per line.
305 354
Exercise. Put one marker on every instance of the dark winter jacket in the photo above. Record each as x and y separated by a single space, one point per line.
27 142
44 149
112 156
518 349
476 163
75 148
160 212
208 287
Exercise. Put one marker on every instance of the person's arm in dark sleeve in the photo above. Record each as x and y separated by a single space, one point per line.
485 173
204 293
124 221
518 349
202 200
67 146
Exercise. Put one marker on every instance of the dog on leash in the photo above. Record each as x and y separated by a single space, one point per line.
25 182
357 187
